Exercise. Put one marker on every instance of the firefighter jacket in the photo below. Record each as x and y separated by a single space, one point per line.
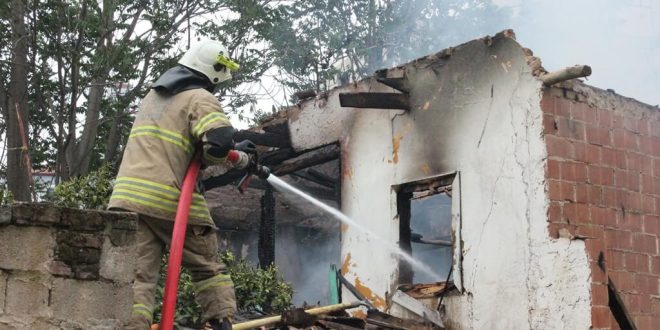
162 142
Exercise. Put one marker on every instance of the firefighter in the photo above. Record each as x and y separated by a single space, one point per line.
178 115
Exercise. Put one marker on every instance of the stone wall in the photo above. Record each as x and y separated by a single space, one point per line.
603 173
65 268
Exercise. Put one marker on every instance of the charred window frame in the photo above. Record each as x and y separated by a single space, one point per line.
441 191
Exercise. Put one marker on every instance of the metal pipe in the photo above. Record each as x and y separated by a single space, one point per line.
313 311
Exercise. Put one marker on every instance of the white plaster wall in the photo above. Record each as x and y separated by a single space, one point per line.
476 112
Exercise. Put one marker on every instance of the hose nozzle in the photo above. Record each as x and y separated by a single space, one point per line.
262 172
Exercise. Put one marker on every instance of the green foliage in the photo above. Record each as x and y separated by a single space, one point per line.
88 192
6 197
256 289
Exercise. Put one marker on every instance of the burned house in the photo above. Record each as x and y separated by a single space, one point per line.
527 200
532 196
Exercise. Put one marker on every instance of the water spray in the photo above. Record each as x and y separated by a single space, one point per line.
282 185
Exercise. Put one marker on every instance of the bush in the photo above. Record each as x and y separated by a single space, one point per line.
88 192
256 290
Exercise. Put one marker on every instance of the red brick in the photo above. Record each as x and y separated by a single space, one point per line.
604 118
645 322
590 231
548 104
656 167
633 181
581 193
656 186
618 140
610 197
599 295
552 170
595 195
651 224
648 204
608 157
617 260
647 165
580 151
569 128
630 221
590 115
554 212
594 248
581 214
620 160
554 190
646 184
558 146
575 172
618 239
631 301
655 146
598 275
631 141
562 107
645 305
633 201
631 124
645 243
597 135
549 124
577 111
656 266
592 154
634 161
637 262
623 281
601 175
567 191
646 145
600 317
647 284
568 212
621 178
603 216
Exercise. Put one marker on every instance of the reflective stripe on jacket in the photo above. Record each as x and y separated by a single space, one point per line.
160 146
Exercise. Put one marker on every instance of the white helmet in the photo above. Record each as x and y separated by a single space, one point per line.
211 59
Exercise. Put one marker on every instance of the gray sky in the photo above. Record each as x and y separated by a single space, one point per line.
619 39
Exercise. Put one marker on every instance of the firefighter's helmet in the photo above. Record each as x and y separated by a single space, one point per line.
211 59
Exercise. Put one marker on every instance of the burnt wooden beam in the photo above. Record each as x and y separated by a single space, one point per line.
267 139
307 159
317 192
266 244
230 177
306 176
389 101
400 84
277 156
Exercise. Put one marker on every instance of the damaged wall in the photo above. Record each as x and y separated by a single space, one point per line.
65 268
603 174
474 109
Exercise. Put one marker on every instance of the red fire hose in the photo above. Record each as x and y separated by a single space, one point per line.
176 246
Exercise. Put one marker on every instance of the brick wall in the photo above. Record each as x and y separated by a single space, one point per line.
65 268
603 181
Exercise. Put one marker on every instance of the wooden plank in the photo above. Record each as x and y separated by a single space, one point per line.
308 159
389 101
264 139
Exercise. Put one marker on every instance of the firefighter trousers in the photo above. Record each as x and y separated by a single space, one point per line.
213 287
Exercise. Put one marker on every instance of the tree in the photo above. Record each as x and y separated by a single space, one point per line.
14 103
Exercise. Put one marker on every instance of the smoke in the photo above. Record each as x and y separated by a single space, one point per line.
619 39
